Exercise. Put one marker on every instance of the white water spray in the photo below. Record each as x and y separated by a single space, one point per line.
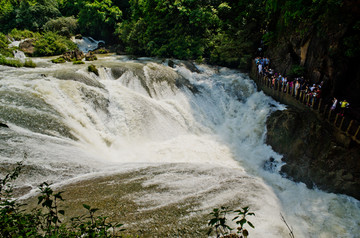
207 145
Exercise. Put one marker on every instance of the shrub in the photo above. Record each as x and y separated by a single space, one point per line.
46 222
296 71
218 222
58 60
29 63
65 26
4 50
23 34
10 62
53 44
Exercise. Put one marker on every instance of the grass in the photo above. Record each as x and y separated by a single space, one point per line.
16 62
10 62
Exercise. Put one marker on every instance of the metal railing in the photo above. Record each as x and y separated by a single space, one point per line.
349 127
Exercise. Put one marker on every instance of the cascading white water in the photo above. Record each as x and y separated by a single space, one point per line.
87 44
206 144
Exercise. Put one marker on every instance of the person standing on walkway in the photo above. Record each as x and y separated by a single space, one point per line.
333 107
343 105
297 87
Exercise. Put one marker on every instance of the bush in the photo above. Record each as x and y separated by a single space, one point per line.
59 60
218 223
29 63
296 71
16 62
46 222
10 62
53 44
65 26
4 50
23 34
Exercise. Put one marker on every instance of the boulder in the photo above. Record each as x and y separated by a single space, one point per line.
3 125
191 66
27 46
90 56
75 55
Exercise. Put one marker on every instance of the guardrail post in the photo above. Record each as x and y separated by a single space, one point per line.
357 131
341 123
329 115
325 108
337 115
350 125
307 100
319 104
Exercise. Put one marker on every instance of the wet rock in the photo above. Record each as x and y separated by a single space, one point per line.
271 165
171 64
90 56
3 125
27 46
74 55
313 153
190 66
183 82
101 50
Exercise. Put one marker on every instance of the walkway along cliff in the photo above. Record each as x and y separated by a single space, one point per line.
320 148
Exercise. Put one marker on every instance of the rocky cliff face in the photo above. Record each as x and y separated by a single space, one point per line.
324 58
313 154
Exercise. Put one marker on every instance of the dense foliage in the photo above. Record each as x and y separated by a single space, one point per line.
220 31
53 44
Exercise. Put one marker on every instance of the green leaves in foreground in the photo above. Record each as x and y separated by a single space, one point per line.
47 221
218 223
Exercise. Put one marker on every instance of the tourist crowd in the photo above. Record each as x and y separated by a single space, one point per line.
312 92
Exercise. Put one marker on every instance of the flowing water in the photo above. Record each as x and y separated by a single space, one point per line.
201 134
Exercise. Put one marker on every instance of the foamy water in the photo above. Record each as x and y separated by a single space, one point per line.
73 124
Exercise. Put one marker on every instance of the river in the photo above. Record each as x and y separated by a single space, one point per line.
201 132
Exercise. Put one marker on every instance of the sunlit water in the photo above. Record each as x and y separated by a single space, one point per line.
210 126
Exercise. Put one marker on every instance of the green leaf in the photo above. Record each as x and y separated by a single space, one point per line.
40 199
94 209
250 224
86 206
242 221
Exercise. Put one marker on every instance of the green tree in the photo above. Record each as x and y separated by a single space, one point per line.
178 28
33 15
98 18
65 26
7 15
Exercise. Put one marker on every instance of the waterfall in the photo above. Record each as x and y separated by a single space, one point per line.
197 136
87 44
19 55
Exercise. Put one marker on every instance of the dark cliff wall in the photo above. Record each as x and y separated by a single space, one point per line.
313 153
326 55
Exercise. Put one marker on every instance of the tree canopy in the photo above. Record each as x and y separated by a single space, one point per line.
224 32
